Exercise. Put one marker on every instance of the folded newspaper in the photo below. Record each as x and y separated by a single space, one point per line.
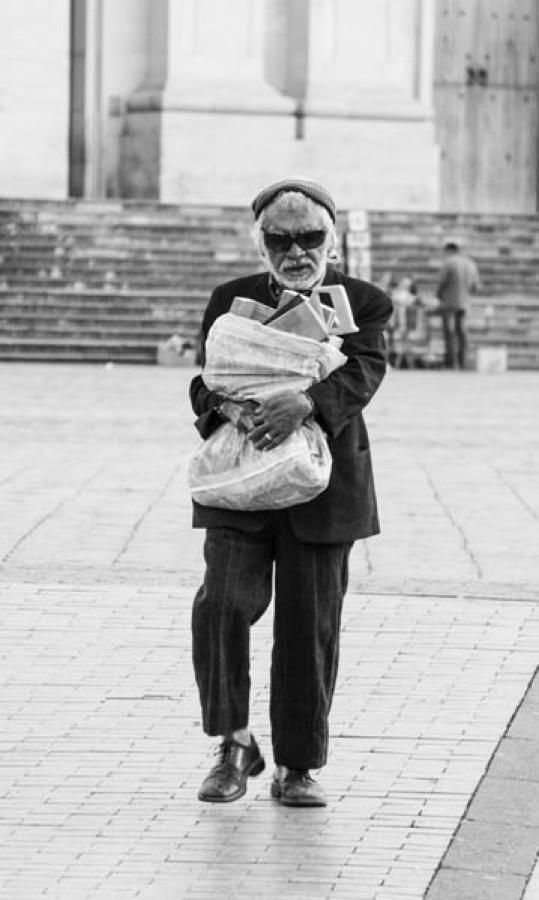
249 360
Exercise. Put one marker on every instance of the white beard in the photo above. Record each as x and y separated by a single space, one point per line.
299 282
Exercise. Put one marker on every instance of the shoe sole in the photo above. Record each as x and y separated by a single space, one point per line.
277 794
254 770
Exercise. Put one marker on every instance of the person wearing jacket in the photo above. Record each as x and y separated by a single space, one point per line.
459 277
305 548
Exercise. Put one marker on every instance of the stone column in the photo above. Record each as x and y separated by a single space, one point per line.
129 62
222 126
34 98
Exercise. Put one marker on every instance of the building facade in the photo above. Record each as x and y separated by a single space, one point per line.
395 104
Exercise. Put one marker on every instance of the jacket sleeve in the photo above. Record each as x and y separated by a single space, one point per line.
204 401
344 393
209 418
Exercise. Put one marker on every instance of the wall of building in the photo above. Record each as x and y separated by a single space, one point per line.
338 90
34 97
202 101
486 98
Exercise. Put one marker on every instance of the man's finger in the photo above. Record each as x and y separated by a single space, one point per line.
264 439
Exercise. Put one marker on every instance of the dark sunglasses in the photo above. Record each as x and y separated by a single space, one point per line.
283 240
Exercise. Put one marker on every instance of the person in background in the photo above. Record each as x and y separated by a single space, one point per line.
459 277
303 550
403 294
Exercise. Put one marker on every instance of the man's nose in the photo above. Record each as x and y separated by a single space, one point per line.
295 250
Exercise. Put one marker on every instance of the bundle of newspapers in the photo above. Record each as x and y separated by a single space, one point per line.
254 352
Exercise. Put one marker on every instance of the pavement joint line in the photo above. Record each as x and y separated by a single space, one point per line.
173 586
368 557
150 507
458 528
516 493
51 513
13 475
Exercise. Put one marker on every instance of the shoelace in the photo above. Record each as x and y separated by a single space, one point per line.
225 766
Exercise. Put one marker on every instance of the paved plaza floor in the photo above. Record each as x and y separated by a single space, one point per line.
433 775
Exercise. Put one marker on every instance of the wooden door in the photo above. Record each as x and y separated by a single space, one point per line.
486 101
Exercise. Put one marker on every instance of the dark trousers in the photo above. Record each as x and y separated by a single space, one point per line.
310 583
455 337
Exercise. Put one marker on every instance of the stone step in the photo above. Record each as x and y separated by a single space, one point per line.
39 290
73 350
171 254
119 315
494 280
76 350
74 272
140 273
70 327
481 306
69 234
105 312
505 247
64 332
188 281
93 314
216 262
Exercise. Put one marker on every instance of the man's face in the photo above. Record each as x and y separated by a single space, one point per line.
296 268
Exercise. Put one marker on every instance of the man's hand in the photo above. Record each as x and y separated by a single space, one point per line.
240 414
279 416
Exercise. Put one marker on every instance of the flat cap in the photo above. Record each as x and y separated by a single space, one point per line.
310 188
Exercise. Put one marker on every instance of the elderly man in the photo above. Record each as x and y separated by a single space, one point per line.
306 547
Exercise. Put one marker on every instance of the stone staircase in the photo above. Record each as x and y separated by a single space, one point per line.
506 249
108 281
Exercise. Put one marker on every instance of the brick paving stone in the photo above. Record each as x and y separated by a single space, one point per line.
101 753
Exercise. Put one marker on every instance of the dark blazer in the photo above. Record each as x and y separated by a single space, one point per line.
347 509
458 279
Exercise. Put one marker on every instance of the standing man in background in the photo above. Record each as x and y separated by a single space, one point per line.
459 278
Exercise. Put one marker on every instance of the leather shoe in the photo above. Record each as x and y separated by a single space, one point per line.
227 780
295 787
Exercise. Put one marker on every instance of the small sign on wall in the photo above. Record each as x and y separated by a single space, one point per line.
358 244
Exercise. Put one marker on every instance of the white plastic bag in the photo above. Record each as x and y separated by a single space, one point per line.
227 471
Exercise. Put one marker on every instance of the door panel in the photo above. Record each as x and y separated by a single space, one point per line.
486 98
